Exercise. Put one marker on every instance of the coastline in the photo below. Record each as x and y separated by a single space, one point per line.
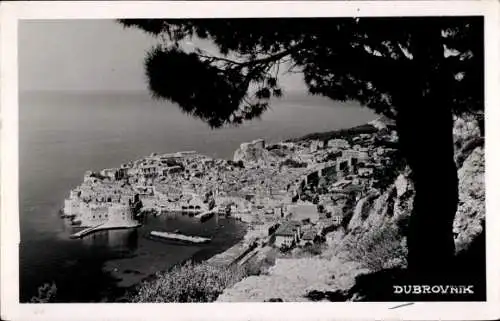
121 292
246 240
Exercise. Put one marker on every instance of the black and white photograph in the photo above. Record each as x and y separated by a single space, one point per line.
261 159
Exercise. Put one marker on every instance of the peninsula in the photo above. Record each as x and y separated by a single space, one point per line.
265 185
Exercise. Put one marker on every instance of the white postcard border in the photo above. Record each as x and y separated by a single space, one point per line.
13 11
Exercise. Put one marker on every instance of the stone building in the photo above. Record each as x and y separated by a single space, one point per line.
338 143
113 214
287 234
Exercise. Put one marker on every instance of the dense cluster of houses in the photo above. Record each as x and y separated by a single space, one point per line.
111 194
349 166
258 191
303 226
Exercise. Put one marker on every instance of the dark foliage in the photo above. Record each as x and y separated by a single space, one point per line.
315 295
275 300
332 296
367 60
335 296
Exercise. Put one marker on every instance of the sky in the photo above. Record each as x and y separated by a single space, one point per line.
88 55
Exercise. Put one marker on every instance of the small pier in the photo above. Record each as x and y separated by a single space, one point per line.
85 232
101 227
180 237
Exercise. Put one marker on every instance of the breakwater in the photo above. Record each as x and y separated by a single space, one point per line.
180 237
102 227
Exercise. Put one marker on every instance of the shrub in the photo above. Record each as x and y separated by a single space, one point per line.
274 300
378 247
386 175
313 249
46 293
189 283
332 296
253 268
315 295
269 259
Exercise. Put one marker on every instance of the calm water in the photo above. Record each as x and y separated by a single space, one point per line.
62 135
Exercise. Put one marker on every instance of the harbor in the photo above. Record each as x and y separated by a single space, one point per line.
273 195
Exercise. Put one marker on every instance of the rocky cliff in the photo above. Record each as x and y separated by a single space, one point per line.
469 156
470 217
375 233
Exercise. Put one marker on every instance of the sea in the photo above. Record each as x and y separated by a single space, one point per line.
64 134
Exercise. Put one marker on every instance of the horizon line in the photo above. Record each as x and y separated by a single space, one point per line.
132 90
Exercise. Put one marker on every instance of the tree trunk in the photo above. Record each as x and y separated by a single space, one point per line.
425 128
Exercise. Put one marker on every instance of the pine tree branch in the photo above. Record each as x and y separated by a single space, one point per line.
262 61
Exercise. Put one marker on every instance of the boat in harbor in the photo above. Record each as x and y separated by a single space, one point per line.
204 216
180 237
